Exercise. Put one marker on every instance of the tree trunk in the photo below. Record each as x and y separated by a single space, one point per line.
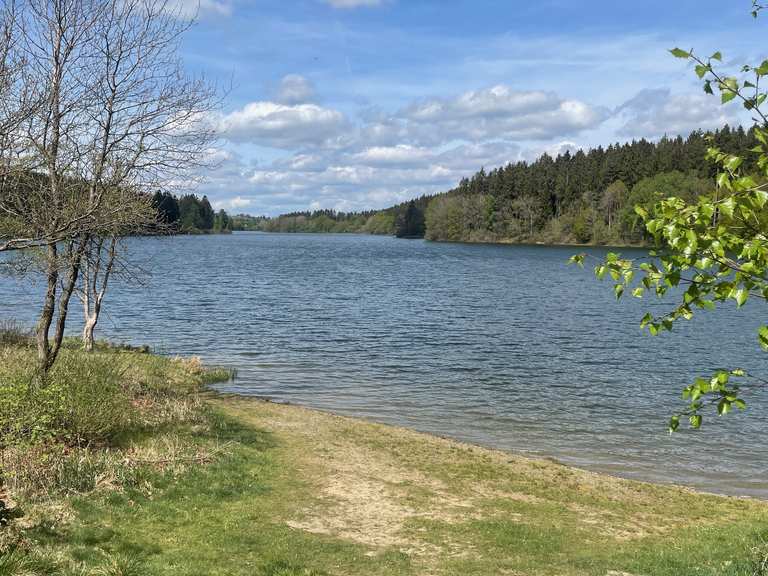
46 315
90 325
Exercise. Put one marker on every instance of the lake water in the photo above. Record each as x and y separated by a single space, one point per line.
504 346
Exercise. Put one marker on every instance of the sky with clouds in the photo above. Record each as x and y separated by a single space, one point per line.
359 104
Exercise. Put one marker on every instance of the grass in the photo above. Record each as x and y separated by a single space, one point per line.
198 484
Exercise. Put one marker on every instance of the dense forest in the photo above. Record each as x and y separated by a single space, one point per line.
189 215
403 220
586 197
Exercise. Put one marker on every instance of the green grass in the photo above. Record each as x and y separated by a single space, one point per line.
201 484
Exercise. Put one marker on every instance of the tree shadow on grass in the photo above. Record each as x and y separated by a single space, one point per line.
122 523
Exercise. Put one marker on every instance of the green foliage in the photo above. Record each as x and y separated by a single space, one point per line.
585 197
385 222
83 402
710 248
189 214
410 222
380 223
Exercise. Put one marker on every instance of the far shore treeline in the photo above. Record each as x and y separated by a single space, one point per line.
581 198
189 215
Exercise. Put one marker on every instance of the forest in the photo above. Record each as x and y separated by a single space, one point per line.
586 197
189 215
403 220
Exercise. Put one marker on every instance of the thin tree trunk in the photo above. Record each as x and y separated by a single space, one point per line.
66 295
46 315
88 328
92 294
47 348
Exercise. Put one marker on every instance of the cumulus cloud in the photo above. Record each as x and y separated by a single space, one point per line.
501 112
399 155
235 204
353 3
295 89
655 112
384 158
282 125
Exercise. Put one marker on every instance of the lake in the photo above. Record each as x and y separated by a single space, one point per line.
503 346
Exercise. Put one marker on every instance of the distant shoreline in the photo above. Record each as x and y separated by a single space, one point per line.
503 242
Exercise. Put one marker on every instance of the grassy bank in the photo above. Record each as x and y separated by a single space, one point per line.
192 483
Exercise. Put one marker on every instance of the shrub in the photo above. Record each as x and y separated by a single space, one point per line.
13 333
88 401
82 403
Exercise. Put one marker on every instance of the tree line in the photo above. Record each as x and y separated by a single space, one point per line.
586 197
402 220
189 215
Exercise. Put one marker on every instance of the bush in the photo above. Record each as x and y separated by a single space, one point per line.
89 403
13 333
108 419
83 402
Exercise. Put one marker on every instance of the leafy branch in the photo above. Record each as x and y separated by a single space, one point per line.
711 250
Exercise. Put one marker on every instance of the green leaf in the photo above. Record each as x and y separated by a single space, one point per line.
733 163
741 295
727 206
678 53
674 424
762 335
600 272
577 259
717 56
695 420
761 196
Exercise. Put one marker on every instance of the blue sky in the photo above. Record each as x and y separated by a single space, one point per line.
357 104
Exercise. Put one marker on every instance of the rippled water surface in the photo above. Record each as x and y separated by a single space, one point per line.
504 346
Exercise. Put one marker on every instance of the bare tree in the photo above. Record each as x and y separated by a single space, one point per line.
528 209
613 200
119 118
102 257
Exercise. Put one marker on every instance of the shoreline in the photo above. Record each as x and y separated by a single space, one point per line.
540 457
503 242
202 481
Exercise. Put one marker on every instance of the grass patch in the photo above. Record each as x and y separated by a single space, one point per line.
187 482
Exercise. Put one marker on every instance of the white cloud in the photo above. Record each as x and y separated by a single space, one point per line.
239 202
353 3
236 204
385 158
501 112
402 154
281 125
295 89
192 8
655 112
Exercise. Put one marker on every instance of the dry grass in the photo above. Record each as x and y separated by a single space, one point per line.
432 498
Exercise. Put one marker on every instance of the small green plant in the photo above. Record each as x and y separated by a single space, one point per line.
123 565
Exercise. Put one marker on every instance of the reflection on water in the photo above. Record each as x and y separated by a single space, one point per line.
504 346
